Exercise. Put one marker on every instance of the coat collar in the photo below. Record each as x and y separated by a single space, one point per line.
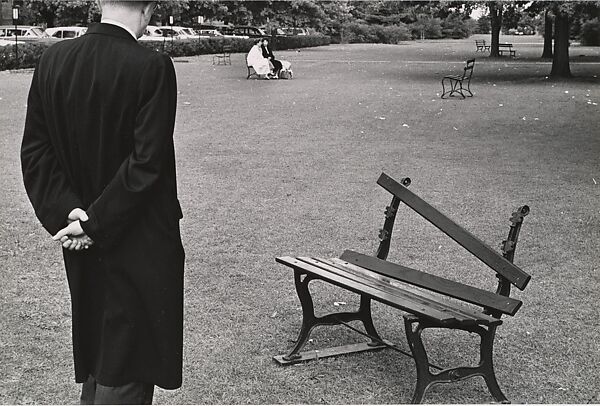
109 29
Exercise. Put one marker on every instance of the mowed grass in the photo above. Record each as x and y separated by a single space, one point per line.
269 168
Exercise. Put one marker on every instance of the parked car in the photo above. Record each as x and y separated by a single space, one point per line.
24 33
223 30
273 32
185 32
295 31
209 33
66 32
154 33
249 31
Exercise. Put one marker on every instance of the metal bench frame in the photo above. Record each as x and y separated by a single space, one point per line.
511 52
481 46
456 83
370 278
251 72
224 58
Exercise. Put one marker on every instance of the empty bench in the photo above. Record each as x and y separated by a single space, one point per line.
507 48
481 45
428 301
459 84
224 57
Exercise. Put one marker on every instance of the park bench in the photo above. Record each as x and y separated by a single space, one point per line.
251 72
481 46
456 83
224 57
428 301
507 48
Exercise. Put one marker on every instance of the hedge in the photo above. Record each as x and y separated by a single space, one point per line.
204 46
29 52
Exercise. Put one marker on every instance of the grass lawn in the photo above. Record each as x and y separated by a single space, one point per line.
269 168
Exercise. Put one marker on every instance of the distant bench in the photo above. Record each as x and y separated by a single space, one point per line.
425 298
507 48
481 46
223 57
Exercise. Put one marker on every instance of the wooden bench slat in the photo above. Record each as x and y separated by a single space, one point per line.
360 288
485 253
434 283
457 307
404 300
418 299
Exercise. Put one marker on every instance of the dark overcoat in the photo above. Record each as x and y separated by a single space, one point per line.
99 136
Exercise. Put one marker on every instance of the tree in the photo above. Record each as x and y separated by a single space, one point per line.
560 59
54 12
483 25
496 9
548 34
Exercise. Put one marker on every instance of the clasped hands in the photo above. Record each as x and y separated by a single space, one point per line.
72 237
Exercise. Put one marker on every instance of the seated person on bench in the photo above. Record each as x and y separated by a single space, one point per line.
278 65
257 61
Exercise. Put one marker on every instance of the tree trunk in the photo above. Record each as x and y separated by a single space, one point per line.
560 60
496 22
547 35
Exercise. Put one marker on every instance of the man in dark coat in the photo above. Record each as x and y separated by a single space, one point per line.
98 165
268 54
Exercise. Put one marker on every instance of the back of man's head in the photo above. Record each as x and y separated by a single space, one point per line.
126 4
133 14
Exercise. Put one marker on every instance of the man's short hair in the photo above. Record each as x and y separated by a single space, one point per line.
138 4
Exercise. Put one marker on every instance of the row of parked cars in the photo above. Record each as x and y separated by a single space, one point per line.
32 33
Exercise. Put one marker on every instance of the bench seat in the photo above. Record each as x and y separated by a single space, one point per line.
407 298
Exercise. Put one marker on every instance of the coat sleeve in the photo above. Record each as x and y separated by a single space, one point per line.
112 212
265 54
46 183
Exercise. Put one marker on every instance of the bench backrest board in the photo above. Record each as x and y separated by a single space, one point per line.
434 283
478 248
468 70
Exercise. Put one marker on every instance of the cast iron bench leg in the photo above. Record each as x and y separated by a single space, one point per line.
426 379
455 87
365 316
310 321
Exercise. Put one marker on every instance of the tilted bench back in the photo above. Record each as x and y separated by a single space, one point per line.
478 248
468 70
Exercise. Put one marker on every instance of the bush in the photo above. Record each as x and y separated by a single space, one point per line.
429 28
454 26
590 33
374 33
27 52
30 52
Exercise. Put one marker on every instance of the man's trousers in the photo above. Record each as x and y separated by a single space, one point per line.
92 393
